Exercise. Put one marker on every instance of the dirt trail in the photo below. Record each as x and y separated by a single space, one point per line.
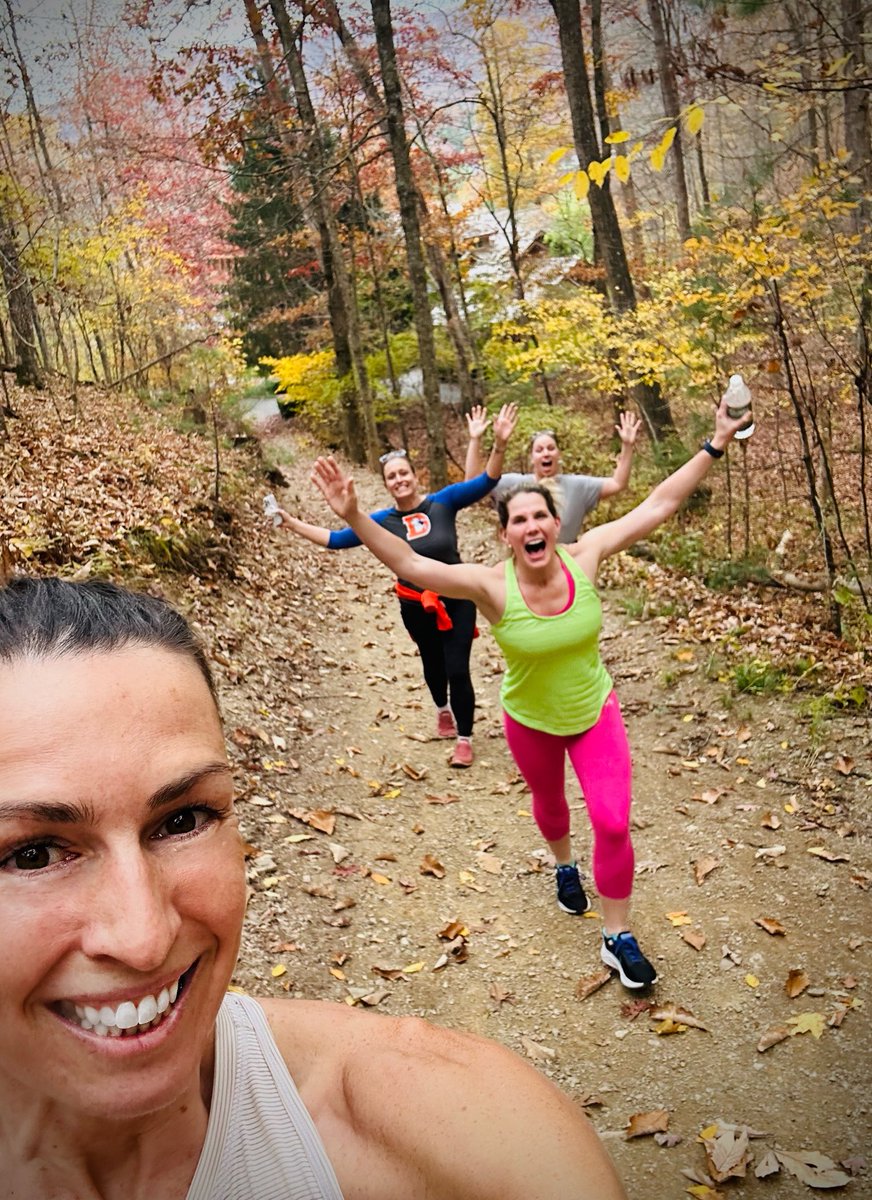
337 718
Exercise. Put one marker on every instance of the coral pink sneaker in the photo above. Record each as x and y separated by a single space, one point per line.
445 727
462 756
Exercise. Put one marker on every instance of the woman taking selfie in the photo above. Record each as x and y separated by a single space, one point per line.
557 697
126 1070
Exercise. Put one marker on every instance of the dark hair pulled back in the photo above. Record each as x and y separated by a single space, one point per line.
49 618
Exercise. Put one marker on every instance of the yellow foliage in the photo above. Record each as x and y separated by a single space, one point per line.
581 184
693 119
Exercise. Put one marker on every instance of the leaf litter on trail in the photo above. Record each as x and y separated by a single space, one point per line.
704 866
591 983
647 1123
813 1169
675 1015
693 937
796 982
430 865
772 926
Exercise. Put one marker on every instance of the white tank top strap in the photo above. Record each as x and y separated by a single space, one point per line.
261 1143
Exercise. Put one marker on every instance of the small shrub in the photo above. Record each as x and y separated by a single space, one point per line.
759 677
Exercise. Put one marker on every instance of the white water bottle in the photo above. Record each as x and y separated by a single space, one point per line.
271 509
738 398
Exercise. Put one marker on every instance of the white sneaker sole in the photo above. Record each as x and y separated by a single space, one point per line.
611 961
573 912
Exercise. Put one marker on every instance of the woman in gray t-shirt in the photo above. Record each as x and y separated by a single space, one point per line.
574 495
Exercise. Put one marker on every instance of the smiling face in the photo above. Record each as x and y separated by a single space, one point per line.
531 528
545 456
122 887
402 482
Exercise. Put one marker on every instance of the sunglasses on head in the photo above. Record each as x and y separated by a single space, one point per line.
383 458
542 433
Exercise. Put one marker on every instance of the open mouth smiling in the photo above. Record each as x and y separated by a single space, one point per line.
535 547
130 1018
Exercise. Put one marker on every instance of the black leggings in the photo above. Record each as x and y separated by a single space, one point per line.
445 656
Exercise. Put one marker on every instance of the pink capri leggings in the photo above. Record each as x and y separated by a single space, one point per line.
600 758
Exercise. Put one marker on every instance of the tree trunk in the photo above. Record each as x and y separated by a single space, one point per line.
671 109
406 196
23 317
359 416
457 322
619 283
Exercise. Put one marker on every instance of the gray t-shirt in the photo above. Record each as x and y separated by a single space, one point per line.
574 496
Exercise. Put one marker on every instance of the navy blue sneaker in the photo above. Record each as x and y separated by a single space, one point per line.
621 952
570 893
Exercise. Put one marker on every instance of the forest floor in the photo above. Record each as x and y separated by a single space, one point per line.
381 877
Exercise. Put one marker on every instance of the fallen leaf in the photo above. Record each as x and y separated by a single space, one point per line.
844 765
752 981
813 1169
324 891
796 982
339 852
452 930
322 819
826 855
448 798
278 970
373 998
807 1022
591 983
768 1165
710 795
668 1139
770 851
338 973
704 866
856 1165
728 1153
500 996
381 880
413 968
703 1192
667 1027
647 1123
772 1036
431 866
674 1012
771 820
772 926
387 972
678 918
693 937
414 773
489 863
536 1051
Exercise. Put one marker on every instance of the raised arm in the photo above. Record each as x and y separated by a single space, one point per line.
460 580
504 425
314 533
628 430
659 506
477 422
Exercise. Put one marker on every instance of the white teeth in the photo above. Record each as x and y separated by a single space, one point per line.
127 1015
147 1010
130 1017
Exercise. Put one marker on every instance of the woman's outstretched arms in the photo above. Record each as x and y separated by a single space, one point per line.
628 430
460 580
504 424
658 507
318 534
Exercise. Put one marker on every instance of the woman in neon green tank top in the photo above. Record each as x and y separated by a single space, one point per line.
558 699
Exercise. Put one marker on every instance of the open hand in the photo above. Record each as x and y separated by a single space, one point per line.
477 421
336 488
628 428
504 423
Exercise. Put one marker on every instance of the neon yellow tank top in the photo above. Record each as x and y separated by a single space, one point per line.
555 680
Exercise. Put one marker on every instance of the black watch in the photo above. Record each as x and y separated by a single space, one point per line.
710 449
